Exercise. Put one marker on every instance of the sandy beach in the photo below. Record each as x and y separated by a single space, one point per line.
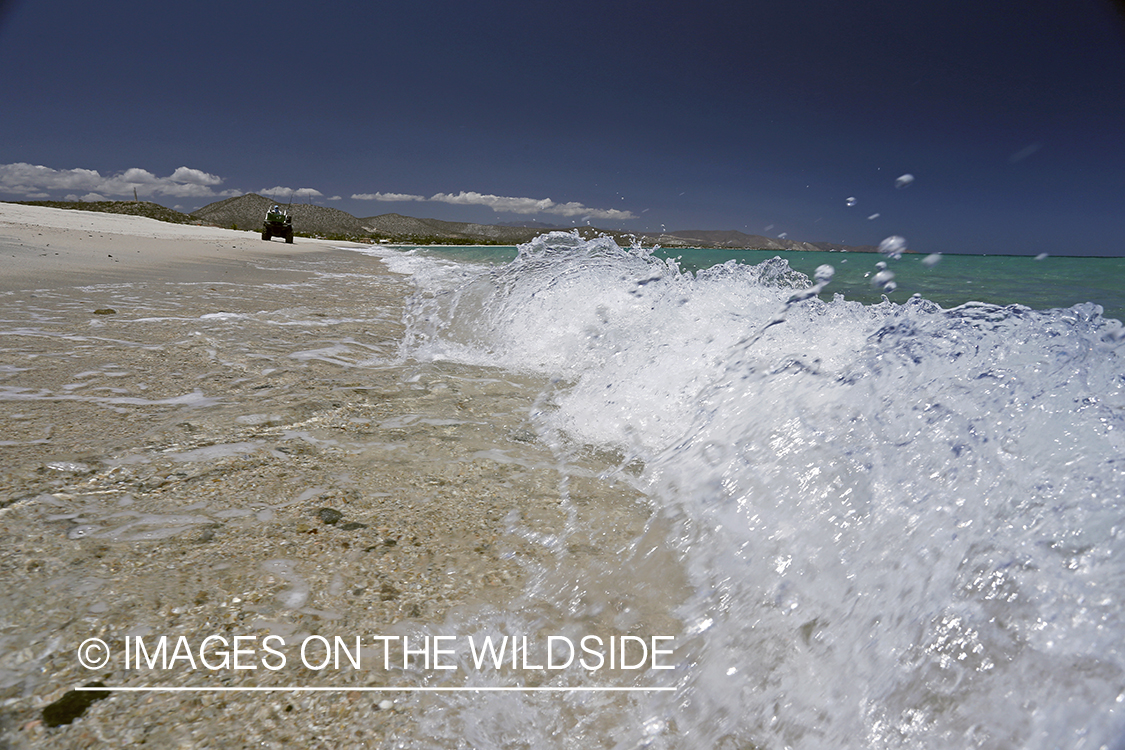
207 435
49 247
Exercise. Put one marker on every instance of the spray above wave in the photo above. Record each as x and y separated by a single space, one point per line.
902 524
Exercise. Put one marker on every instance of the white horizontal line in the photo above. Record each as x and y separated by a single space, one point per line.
255 689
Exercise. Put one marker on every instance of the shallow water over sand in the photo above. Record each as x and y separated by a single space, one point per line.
253 459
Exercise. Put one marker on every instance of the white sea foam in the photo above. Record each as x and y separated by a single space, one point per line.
902 525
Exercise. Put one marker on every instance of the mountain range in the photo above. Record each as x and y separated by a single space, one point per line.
247 211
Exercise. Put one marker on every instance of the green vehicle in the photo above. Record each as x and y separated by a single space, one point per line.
278 224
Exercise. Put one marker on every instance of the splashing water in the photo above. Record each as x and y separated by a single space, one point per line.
892 247
883 278
888 526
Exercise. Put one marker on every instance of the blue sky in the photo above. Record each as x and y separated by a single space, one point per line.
759 116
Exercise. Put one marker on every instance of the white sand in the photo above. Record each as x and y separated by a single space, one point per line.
46 247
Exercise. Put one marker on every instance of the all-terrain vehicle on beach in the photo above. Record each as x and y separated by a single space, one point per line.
278 223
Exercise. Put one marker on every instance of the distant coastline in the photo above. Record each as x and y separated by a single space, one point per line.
245 212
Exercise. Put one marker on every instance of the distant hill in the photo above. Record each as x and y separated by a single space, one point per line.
836 247
532 225
248 211
725 239
406 228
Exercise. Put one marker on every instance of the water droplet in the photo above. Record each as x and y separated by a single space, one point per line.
892 247
904 180
851 201
873 216
1041 256
882 279
931 260
824 273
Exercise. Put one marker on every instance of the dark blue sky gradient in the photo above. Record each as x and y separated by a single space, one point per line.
762 117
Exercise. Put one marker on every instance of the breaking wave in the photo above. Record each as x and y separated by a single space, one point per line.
899 525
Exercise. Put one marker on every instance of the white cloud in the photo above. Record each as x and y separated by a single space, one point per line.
285 192
33 180
22 178
505 204
390 197
194 176
137 176
39 182
498 203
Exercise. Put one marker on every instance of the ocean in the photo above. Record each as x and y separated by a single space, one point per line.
949 280
750 502
875 523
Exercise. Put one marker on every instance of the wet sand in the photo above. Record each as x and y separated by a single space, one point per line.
205 435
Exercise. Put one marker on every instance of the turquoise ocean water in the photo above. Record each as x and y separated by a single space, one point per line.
1053 282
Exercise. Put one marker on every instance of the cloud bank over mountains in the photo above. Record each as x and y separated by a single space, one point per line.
286 193
35 182
504 204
